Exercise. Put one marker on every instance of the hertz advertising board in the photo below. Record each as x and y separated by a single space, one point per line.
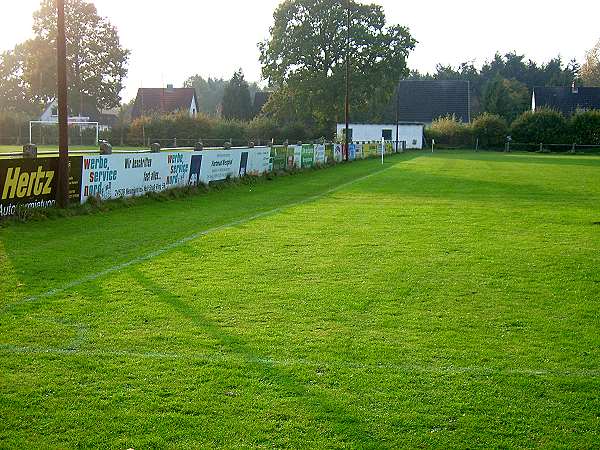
32 183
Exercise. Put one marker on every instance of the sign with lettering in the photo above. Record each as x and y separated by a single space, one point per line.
319 154
338 153
32 183
259 160
308 155
128 175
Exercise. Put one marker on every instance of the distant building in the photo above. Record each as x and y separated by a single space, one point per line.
565 99
106 120
427 100
159 101
411 133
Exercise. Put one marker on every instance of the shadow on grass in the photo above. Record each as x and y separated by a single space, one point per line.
45 255
422 184
349 428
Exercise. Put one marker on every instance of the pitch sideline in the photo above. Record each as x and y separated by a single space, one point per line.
52 292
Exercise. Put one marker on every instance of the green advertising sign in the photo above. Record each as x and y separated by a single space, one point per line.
328 153
308 155
279 157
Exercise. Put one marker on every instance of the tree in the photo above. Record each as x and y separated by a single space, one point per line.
506 98
236 98
590 70
209 92
96 61
304 60
510 66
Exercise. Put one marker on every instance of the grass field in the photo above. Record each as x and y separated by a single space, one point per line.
448 300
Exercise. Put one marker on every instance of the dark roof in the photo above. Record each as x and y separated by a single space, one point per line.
567 100
162 100
427 100
108 119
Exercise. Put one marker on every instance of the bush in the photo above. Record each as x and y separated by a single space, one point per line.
490 129
261 129
449 131
585 127
542 126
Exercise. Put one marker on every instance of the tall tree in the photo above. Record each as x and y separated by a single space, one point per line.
209 92
506 74
506 98
236 98
96 61
590 70
304 59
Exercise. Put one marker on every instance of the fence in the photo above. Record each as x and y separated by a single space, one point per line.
539 147
32 182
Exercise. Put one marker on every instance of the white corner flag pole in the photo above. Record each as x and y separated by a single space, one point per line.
382 149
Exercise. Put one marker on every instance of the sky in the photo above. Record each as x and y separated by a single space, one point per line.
170 41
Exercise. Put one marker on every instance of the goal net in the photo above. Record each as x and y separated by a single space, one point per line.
80 133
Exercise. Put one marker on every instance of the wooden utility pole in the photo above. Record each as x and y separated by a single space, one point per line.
347 106
62 194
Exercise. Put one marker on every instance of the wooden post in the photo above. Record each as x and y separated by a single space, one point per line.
63 130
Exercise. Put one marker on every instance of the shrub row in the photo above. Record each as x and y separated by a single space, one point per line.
543 126
210 130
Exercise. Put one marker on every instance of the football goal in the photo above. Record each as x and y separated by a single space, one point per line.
43 132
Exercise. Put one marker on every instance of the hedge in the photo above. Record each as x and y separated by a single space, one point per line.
448 131
585 127
546 125
212 130
490 129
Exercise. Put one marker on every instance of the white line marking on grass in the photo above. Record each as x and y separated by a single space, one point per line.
215 358
185 240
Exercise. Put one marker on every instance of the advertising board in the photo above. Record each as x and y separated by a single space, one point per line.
128 175
32 183
319 154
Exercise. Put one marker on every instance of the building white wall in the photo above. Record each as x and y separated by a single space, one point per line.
193 108
412 134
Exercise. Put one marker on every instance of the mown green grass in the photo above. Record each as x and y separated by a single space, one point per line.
448 301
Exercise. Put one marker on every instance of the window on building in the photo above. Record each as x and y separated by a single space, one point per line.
386 134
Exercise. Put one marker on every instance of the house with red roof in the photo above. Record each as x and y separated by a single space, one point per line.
160 101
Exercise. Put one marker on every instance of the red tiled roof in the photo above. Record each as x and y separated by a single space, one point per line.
162 100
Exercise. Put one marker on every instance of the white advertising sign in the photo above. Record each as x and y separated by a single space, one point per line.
220 164
297 156
259 160
128 175
319 154
337 153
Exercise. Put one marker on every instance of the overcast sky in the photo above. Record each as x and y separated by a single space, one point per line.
171 40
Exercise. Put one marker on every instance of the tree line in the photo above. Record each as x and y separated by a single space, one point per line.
504 84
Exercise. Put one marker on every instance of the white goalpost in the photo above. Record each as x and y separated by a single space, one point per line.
82 125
